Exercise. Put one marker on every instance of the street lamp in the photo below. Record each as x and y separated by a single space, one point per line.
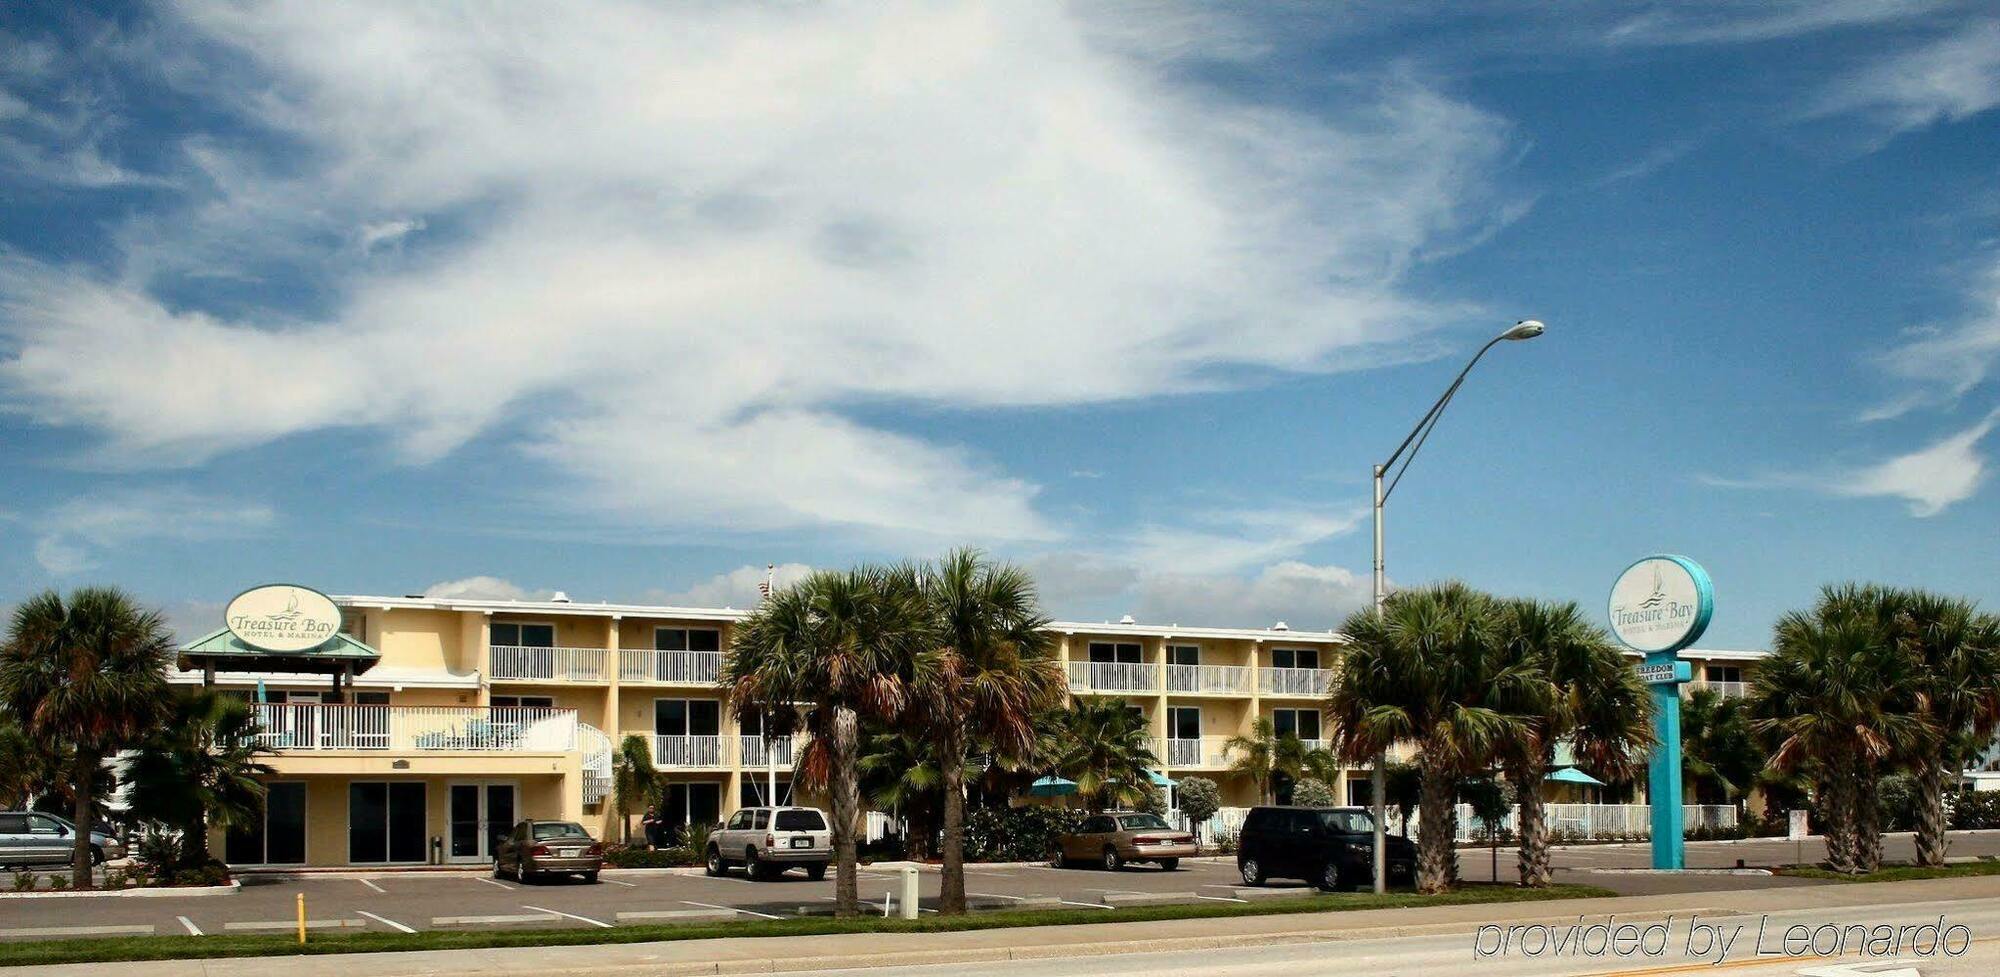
1378 782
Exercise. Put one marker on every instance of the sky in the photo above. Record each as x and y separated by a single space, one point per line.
629 300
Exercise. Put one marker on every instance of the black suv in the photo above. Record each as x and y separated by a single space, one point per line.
1330 847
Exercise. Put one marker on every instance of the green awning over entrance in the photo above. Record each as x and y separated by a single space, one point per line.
223 651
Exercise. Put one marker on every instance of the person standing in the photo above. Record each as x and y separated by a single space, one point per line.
652 825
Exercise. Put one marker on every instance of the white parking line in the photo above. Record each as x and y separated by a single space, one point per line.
1222 885
1219 898
371 885
628 885
497 882
995 895
1086 905
392 924
192 929
747 912
586 919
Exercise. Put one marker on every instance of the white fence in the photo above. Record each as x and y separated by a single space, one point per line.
1114 676
687 751
323 726
546 664
673 667
757 752
1208 678
1579 821
1294 681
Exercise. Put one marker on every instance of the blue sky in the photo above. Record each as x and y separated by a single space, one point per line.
633 301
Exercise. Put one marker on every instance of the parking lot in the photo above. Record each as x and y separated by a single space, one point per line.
422 900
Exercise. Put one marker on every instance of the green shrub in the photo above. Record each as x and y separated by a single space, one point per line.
1015 834
1199 798
58 882
1312 793
1896 797
1975 809
23 881
160 851
623 857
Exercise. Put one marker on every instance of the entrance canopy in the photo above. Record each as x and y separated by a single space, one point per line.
222 651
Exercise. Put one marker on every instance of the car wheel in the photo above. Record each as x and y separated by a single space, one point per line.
754 866
1329 878
716 866
816 871
1252 871
96 855
1113 862
1169 864
590 877
1056 857
498 872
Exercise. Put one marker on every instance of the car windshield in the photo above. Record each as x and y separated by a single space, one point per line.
546 830
1142 822
1348 822
800 821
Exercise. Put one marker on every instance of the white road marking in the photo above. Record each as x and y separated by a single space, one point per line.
1222 885
628 885
1086 905
192 929
1219 898
995 895
371 885
557 912
747 912
497 882
392 924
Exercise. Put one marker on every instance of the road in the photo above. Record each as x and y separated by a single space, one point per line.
1455 955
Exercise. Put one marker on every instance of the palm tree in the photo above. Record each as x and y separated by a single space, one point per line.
1108 752
1265 752
1320 764
201 770
1573 686
993 668
24 768
1956 657
89 671
1839 700
898 772
635 782
847 643
1423 671
1718 746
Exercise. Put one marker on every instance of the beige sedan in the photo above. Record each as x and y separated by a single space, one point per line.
1113 839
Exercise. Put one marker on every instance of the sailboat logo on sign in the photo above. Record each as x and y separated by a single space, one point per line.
1661 603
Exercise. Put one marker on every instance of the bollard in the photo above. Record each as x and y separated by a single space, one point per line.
302 919
909 892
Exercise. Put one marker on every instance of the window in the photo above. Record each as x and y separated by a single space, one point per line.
1097 825
1295 658
523 635
695 803
1302 723
1722 673
544 830
739 821
279 837
523 702
42 824
687 717
1106 651
687 639
369 698
1348 822
1184 654
800 821
762 820
753 788
1183 723
1142 822
13 824
386 822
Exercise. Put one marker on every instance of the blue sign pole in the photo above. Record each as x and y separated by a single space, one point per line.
1663 774
1660 605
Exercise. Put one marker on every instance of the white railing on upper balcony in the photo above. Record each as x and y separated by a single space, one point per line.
447 729
1294 681
1114 677
673 667
1208 678
756 752
1727 690
1204 751
687 751
546 664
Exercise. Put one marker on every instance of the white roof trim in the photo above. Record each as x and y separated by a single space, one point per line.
555 607
1712 655
1220 634
379 677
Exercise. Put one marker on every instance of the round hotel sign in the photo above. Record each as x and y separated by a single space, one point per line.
282 617
1661 604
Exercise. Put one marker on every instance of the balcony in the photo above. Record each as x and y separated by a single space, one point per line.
1204 753
312 727
1726 690
1208 678
1113 677
757 753
669 667
1294 681
520 663
687 751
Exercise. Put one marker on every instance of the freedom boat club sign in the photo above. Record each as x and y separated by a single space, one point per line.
1660 605
282 618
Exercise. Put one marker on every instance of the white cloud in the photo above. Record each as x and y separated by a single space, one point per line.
1944 363
484 588
1949 79
1303 595
1930 479
1234 540
686 240
1733 23
736 588
77 534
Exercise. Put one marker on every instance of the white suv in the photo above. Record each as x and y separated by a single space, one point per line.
767 840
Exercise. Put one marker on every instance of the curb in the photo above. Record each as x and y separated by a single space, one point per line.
165 891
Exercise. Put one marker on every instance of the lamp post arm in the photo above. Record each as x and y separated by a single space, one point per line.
1430 416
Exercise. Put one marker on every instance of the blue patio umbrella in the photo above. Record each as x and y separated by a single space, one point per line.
1052 786
1571 775
260 691
1161 780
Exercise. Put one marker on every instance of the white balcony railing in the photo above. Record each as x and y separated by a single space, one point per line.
1205 751
1114 677
670 667
1727 690
687 751
756 752
1208 678
1294 681
446 729
546 664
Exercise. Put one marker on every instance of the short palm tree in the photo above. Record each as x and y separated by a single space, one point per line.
88 671
1264 752
1320 764
1108 752
992 670
201 769
1718 746
1423 671
1567 684
24 768
635 782
898 772
1838 698
845 643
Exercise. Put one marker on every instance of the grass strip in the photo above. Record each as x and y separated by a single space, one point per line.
1898 873
48 952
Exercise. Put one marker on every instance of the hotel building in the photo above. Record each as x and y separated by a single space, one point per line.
428 726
